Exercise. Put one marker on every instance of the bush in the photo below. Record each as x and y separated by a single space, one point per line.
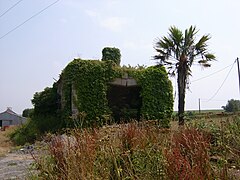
232 106
26 133
111 54
45 115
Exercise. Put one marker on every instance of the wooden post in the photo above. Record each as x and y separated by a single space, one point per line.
199 105
238 73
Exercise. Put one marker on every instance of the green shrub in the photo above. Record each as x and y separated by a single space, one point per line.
232 106
26 133
111 54
46 114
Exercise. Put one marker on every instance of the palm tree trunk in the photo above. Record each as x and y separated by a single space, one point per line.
182 76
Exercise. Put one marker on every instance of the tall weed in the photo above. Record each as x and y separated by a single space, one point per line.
126 152
188 157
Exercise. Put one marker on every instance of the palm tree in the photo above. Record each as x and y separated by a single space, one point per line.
178 51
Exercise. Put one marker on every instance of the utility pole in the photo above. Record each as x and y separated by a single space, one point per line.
238 73
199 105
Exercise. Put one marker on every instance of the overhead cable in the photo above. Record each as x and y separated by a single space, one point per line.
33 16
221 84
212 73
5 12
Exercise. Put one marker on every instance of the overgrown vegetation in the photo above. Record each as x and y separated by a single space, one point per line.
157 94
43 118
118 152
232 106
89 80
27 112
111 54
83 87
129 151
26 133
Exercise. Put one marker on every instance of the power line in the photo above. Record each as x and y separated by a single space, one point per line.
10 8
213 73
28 19
222 83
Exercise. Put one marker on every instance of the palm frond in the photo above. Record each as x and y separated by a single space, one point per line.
176 35
178 48
210 57
206 65
189 40
202 61
202 43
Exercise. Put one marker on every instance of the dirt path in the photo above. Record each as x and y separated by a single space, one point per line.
15 166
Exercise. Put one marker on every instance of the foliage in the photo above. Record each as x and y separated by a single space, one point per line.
84 85
178 51
232 106
43 118
131 152
225 144
188 158
45 102
26 133
88 78
27 112
156 93
112 54
46 106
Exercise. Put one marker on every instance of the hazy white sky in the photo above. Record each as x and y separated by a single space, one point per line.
35 53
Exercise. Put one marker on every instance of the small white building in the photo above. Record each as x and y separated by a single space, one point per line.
10 118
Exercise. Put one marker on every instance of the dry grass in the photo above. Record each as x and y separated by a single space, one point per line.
205 149
5 143
126 151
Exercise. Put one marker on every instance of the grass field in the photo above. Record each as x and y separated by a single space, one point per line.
207 148
203 111
5 143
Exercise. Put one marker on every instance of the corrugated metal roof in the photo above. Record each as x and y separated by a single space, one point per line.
10 111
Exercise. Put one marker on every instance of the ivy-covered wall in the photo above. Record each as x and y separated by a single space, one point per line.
89 78
156 93
90 81
111 54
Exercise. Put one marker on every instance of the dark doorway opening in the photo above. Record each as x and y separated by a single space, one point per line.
0 123
125 102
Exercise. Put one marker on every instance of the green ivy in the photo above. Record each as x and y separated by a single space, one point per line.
112 54
90 79
156 93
